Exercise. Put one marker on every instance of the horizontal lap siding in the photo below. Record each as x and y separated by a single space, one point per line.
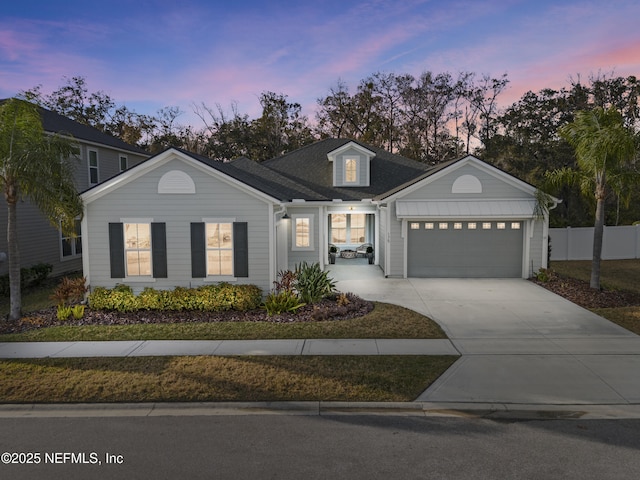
396 245
492 187
213 199
309 256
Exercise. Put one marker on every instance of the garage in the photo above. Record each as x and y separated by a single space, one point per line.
465 248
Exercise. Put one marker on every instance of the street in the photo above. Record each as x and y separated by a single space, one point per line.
317 447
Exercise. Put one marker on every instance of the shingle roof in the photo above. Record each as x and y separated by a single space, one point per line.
55 123
310 167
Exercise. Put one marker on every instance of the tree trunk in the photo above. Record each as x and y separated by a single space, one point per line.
598 233
15 311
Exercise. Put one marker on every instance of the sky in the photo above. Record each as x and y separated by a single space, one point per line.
149 54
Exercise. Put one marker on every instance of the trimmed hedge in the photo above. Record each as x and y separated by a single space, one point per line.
212 298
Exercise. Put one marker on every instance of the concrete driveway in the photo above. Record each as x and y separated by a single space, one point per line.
519 342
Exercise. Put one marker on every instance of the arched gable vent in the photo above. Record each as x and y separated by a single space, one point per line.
176 181
466 184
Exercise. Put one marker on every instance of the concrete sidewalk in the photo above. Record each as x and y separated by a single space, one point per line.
152 348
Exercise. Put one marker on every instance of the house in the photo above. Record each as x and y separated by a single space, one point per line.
101 156
182 219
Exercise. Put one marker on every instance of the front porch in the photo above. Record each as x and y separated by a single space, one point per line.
353 269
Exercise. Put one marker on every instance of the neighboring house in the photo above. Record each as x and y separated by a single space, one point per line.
101 156
182 219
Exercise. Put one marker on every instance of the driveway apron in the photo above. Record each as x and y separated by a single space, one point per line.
519 342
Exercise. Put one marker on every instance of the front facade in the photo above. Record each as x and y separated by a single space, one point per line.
100 157
179 219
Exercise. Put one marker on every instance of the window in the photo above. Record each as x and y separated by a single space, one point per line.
137 248
457 226
72 246
415 226
219 241
515 225
93 167
339 228
501 225
348 228
350 170
443 225
124 163
486 225
472 225
302 232
428 226
357 227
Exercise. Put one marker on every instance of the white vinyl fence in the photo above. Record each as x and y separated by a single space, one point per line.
577 243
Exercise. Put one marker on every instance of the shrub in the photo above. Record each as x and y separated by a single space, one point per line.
29 277
217 298
77 311
312 283
63 313
282 302
69 291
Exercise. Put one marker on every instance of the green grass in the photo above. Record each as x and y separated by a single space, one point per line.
210 379
384 321
614 275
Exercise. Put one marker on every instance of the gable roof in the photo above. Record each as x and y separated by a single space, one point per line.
53 122
445 167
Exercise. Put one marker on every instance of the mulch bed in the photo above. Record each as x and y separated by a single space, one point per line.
580 293
326 309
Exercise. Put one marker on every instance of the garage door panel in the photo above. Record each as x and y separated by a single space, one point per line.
464 252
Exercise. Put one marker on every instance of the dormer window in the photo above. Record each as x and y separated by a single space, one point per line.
351 165
350 170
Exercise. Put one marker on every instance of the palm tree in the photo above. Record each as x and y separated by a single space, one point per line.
605 152
37 166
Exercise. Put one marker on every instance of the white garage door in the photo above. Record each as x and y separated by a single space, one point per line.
463 249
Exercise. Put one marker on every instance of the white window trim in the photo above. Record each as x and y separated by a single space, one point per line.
219 278
347 158
97 167
311 218
138 278
74 255
348 233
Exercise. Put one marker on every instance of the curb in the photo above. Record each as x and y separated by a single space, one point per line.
487 411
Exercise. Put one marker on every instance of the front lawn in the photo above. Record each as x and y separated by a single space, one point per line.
216 379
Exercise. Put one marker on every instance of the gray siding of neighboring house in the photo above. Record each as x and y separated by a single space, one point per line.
214 198
39 242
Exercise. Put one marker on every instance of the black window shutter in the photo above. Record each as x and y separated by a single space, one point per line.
116 250
198 251
240 249
159 249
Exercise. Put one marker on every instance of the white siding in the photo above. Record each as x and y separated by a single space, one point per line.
214 198
39 241
493 187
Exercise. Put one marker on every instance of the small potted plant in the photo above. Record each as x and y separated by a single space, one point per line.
333 250
370 255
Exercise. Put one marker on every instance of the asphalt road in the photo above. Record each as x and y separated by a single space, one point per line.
317 447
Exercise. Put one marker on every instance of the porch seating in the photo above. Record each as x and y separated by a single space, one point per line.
362 249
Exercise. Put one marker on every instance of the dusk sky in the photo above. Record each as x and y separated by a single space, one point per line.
148 54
